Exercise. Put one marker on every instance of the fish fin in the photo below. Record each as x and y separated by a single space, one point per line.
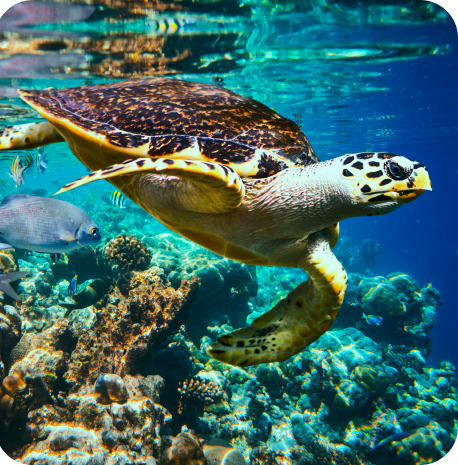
67 237
364 315
8 290
55 257
5 246
5 285
13 276
11 198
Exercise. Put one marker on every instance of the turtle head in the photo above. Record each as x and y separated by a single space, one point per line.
382 182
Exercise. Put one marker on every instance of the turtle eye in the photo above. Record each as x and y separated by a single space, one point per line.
396 171
94 232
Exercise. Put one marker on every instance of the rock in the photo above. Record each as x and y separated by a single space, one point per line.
185 450
110 388
220 452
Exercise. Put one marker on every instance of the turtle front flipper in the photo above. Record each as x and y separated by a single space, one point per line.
213 188
28 136
295 322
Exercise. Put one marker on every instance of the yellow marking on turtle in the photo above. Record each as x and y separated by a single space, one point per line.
296 321
29 136
220 182
210 241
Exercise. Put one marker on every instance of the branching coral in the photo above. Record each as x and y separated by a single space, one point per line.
128 253
197 390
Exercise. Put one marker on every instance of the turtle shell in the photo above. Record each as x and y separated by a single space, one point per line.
175 119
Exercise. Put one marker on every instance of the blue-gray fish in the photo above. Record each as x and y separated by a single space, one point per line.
44 224
7 278
373 320
17 171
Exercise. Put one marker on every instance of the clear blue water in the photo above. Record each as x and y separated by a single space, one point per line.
357 77
365 77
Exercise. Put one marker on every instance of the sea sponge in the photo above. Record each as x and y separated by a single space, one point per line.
127 253
185 450
110 388
197 390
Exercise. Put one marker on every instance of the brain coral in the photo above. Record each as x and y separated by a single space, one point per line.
128 253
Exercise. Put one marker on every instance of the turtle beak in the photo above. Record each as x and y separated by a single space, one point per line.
416 184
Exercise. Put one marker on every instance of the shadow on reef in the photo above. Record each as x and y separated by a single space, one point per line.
127 378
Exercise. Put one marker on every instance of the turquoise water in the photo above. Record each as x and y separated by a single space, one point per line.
356 77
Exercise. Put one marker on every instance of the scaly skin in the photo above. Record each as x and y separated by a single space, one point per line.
296 321
28 136
286 220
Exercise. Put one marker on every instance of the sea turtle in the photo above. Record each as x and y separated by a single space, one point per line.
232 175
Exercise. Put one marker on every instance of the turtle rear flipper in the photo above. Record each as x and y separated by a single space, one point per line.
212 188
296 321
29 136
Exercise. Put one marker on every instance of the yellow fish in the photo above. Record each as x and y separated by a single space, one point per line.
17 171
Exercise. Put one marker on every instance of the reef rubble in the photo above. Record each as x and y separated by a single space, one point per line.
127 379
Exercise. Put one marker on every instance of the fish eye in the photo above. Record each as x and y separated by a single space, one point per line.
94 232
395 171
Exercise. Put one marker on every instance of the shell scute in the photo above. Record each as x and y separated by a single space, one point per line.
181 119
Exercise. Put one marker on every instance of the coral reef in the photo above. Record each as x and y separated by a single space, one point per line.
197 390
10 334
8 260
127 253
140 314
118 372
226 286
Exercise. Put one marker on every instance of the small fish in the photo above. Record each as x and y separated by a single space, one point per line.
73 286
170 25
40 192
28 161
373 320
42 162
17 171
5 280
218 81
62 227
118 200
394 437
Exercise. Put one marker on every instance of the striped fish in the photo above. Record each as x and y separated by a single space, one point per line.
118 200
17 171
28 161
170 25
